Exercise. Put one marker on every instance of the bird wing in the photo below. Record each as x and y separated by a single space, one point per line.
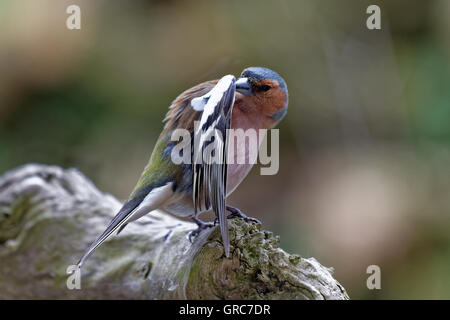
210 149
131 210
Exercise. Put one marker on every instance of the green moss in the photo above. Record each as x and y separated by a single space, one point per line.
12 222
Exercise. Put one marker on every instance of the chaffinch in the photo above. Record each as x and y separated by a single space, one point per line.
258 99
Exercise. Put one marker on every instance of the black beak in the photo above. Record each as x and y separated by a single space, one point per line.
243 86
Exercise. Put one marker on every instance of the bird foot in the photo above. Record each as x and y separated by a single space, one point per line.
236 213
202 225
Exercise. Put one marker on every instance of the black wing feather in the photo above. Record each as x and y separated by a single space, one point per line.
210 176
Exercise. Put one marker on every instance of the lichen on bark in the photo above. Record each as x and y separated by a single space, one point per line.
49 215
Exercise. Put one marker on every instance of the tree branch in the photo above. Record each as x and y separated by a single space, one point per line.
48 216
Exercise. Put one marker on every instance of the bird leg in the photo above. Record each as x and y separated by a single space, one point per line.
201 226
236 213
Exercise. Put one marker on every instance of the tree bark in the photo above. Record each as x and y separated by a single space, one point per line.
48 216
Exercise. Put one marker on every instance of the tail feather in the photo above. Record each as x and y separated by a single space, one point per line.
118 222
131 211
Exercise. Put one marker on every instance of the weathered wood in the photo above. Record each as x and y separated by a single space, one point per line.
49 215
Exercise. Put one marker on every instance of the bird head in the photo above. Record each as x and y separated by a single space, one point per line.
266 90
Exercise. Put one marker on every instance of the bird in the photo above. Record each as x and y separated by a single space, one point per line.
257 99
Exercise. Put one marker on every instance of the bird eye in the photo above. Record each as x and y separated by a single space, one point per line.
265 88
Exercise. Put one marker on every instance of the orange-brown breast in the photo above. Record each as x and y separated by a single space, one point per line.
245 116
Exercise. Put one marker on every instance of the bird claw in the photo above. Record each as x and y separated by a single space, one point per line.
201 226
193 234
236 213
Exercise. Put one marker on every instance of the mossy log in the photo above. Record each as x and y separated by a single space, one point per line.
49 215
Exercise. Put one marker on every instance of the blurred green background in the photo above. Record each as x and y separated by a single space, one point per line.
365 148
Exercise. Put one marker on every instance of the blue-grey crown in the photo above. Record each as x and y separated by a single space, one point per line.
260 73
